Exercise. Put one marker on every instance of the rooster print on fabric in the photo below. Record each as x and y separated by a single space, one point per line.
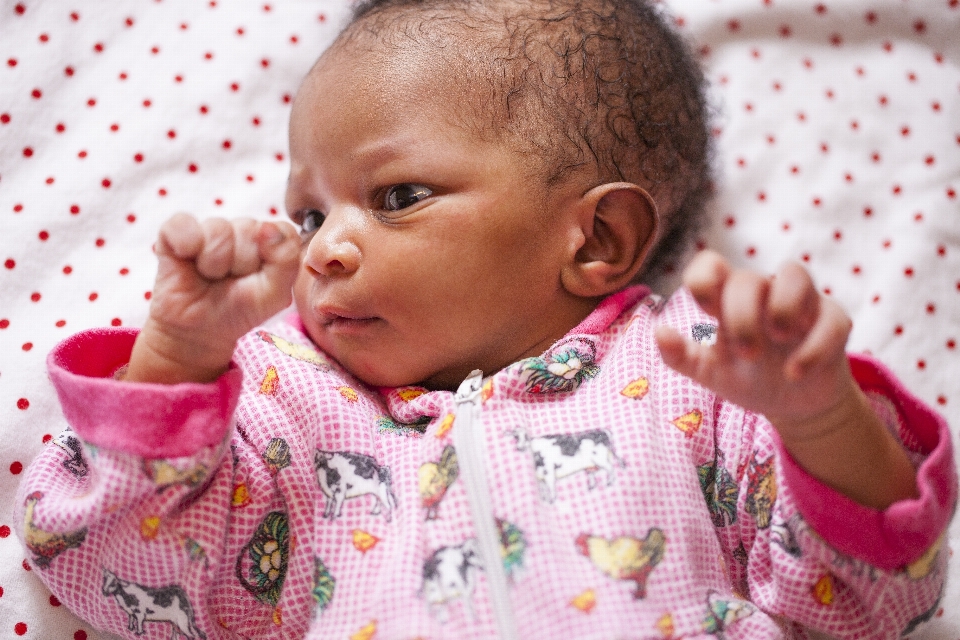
724 612
719 490
323 585
563 369
625 558
46 545
761 491
434 478
513 547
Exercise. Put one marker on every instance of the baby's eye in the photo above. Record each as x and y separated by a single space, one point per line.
402 196
309 220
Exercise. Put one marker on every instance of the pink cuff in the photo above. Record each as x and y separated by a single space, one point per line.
147 420
905 530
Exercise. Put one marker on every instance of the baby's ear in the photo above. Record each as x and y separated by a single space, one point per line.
619 223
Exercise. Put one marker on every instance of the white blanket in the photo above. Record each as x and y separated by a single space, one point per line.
838 125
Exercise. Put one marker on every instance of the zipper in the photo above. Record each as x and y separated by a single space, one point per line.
470 444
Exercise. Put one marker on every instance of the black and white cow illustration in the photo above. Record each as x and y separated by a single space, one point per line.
450 573
561 455
145 604
343 475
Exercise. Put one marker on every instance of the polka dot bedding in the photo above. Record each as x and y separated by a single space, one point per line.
838 146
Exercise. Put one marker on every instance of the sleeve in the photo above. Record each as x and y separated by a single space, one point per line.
805 553
124 514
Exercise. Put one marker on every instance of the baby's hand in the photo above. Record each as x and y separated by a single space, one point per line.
216 280
779 348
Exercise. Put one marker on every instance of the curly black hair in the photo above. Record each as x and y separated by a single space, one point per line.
601 87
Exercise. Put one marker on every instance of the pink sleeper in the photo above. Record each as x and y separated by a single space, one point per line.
587 493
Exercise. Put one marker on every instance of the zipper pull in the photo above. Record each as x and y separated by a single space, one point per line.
469 389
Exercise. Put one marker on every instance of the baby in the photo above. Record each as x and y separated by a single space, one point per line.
477 424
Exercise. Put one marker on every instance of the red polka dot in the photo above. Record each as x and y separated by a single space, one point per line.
898 330
100 242
106 183
149 294
227 144
16 467
92 102
921 364
36 94
4 118
192 168
93 296
21 627
80 635
131 218
23 404
27 152
27 346
171 134
951 344
46 438
12 62
138 157
10 263
4 531
116 322
20 9
54 602
35 296
61 323
4 323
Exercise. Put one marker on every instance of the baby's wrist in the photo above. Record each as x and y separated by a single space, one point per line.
160 358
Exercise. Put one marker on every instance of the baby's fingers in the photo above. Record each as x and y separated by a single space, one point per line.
705 277
793 304
824 344
681 355
215 260
180 237
743 312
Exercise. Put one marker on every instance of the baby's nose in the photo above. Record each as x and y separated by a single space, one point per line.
331 251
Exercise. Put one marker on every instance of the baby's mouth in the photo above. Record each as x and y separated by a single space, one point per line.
344 322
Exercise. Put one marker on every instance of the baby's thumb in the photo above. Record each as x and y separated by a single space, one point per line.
279 247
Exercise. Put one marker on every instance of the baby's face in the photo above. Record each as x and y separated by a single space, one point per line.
428 252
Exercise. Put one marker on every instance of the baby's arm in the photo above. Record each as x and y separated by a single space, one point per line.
780 352
216 281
